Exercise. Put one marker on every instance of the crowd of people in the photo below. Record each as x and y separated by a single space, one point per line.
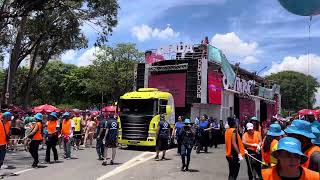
278 151
288 151
68 130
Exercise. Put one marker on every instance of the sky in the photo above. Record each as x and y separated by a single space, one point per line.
259 34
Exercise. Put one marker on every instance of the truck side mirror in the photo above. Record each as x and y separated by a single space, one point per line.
168 109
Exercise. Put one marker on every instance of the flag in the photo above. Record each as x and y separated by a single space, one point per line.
216 55
227 70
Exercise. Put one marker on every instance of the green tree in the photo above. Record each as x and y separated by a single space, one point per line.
112 71
48 28
297 89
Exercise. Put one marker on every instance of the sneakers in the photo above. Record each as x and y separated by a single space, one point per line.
34 165
183 168
163 159
100 158
104 163
156 158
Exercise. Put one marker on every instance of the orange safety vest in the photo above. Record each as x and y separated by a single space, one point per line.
8 126
266 155
272 174
37 136
66 126
3 138
228 141
309 153
52 127
252 139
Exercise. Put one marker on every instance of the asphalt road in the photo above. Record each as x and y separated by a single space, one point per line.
130 164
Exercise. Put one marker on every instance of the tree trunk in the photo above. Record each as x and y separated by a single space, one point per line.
28 84
14 59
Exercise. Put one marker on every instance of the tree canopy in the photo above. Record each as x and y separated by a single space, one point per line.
69 86
297 89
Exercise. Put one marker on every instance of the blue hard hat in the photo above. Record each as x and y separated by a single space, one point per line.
38 116
291 145
300 127
187 121
316 132
66 114
54 114
254 118
7 115
275 130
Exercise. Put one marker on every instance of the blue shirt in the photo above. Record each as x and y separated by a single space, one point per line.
203 125
179 126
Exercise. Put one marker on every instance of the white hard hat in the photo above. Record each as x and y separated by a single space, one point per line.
249 126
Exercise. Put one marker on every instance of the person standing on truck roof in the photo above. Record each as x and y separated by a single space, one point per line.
111 138
162 137
176 133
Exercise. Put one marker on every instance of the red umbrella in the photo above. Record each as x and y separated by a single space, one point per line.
109 109
46 108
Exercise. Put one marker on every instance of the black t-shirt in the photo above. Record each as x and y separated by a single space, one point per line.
112 127
164 129
101 127
187 136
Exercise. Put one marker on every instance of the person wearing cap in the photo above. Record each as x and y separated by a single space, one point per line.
316 155
29 121
52 136
162 137
256 124
77 130
36 138
270 144
187 138
301 129
4 136
100 132
290 159
110 138
234 149
67 129
252 142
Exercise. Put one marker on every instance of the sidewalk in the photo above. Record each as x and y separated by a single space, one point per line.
212 165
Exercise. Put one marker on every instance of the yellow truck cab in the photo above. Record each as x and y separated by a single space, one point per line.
140 113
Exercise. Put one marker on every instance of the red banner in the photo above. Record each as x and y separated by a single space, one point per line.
175 83
214 87
247 108
153 57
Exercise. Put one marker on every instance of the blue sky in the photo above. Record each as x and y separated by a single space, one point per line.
256 33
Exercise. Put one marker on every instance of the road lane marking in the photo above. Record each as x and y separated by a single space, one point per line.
143 157
23 171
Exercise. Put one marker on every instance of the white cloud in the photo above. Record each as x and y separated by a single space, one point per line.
231 44
87 57
68 56
145 32
236 48
299 64
250 60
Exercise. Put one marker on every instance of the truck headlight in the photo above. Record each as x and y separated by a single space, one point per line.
152 134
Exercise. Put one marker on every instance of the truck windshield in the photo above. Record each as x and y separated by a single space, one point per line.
138 106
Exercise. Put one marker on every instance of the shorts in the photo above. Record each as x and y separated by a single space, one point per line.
162 144
15 131
111 144
77 135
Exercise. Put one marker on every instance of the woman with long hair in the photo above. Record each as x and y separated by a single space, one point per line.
270 143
